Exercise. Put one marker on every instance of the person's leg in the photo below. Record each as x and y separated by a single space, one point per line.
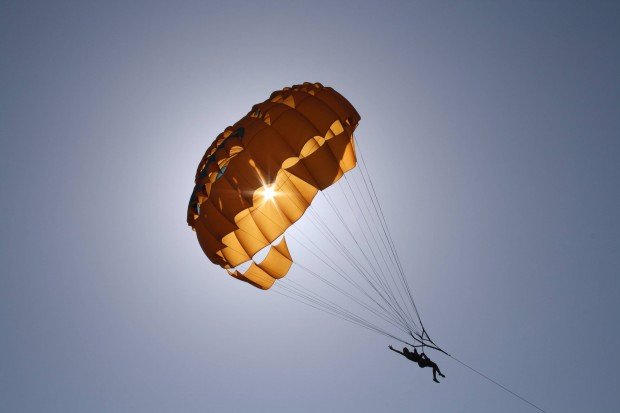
435 371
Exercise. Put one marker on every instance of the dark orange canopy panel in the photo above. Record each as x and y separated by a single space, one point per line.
260 175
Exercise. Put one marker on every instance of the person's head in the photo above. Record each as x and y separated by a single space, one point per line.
405 350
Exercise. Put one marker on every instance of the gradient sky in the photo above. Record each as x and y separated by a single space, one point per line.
491 130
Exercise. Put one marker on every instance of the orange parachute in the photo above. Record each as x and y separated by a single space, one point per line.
260 175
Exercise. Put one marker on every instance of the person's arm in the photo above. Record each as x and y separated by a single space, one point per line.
393 349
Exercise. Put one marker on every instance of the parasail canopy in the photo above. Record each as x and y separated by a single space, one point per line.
259 176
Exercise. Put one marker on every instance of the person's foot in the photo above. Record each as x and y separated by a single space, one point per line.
441 375
436 381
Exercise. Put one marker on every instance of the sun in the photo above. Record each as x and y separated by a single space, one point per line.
268 193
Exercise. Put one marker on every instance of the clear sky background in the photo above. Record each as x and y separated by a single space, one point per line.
491 129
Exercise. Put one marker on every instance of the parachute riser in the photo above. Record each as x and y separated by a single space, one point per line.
424 343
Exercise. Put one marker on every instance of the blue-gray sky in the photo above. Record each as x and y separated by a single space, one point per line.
491 130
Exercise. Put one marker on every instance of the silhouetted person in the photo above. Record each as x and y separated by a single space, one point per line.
421 359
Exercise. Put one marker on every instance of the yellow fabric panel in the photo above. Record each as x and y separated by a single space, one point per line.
270 220
349 160
249 234
234 257
234 252
336 128
254 276
294 203
307 190
259 276
278 260
329 134
282 248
